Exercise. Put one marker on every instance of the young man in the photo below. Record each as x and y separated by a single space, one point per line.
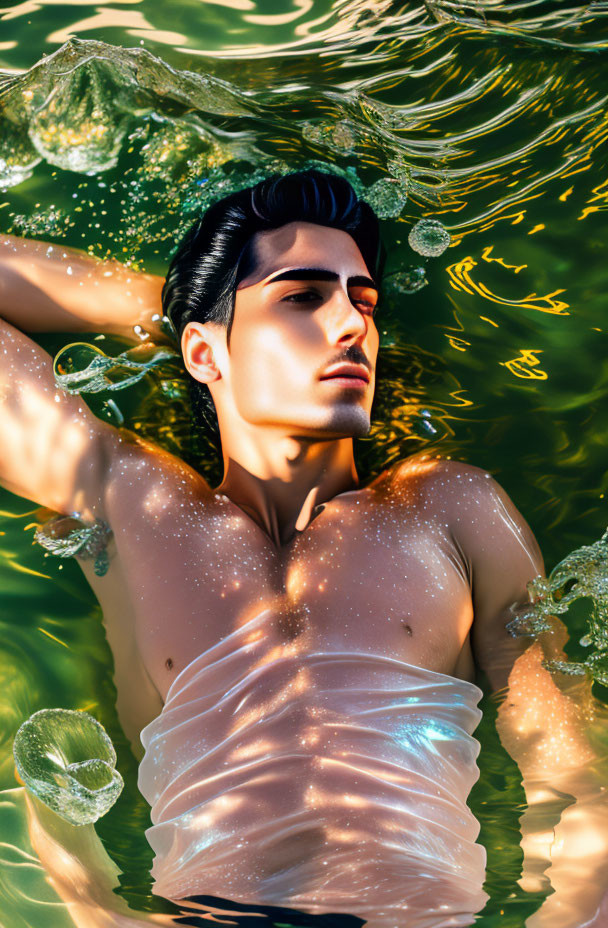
290 585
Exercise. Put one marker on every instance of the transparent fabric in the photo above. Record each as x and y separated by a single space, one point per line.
328 782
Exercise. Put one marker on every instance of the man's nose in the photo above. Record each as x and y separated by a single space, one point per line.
346 322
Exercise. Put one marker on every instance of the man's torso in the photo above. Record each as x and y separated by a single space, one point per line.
376 570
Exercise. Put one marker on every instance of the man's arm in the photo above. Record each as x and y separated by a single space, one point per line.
53 450
543 719
47 288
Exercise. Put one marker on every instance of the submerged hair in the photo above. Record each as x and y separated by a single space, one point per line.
218 251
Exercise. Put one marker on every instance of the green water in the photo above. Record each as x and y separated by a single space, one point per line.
490 117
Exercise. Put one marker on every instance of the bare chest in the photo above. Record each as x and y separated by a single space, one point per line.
365 575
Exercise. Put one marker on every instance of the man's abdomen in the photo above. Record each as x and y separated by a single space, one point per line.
325 781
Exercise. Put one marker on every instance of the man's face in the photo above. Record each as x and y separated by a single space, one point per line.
287 333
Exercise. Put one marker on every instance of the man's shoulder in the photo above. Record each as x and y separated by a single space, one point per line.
466 499
451 493
445 476
137 464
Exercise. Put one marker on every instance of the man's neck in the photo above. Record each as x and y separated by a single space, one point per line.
281 480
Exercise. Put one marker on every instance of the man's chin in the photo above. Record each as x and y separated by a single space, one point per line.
343 423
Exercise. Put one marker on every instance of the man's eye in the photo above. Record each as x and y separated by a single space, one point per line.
308 296
301 296
370 307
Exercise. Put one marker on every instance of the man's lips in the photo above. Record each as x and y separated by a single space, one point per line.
345 381
347 374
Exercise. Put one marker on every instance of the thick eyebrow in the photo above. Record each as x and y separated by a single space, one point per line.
319 273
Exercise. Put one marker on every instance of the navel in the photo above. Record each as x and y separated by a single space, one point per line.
169 663
407 628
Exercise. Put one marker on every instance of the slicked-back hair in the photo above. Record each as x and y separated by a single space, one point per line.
218 251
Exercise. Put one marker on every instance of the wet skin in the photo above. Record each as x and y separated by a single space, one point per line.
421 565
385 568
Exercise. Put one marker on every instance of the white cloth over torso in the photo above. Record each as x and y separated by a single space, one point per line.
325 782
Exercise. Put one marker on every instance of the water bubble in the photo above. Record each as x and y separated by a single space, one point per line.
175 151
387 197
429 238
67 760
408 280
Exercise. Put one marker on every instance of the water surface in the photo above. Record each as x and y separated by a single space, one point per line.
489 117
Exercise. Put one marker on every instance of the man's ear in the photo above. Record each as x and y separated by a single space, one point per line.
200 344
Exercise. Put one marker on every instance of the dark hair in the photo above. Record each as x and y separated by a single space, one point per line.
218 251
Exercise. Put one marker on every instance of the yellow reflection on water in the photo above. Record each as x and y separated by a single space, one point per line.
600 196
487 256
526 365
461 279
458 343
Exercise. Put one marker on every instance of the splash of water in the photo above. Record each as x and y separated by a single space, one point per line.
67 760
71 536
77 108
581 574
17 157
74 375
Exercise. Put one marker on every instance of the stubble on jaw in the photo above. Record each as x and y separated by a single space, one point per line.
352 422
